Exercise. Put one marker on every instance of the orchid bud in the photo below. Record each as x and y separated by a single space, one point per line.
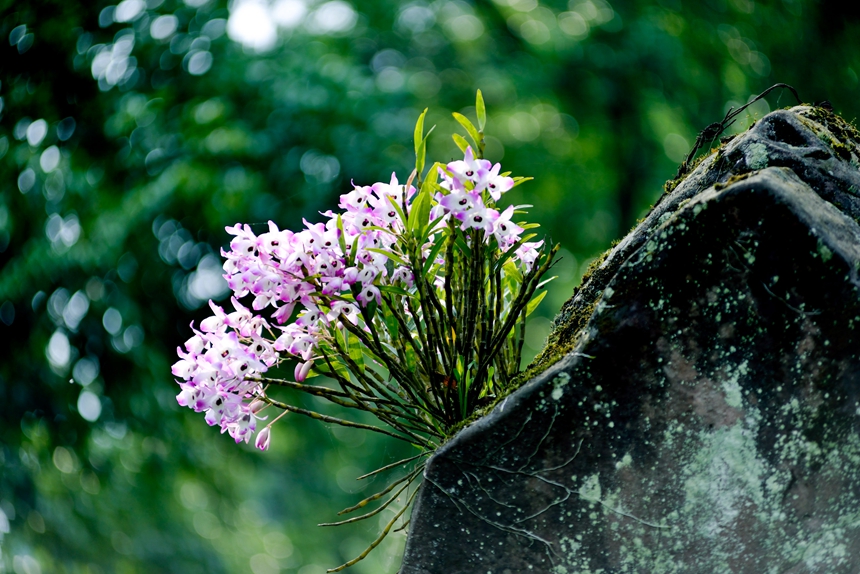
302 370
263 437
257 405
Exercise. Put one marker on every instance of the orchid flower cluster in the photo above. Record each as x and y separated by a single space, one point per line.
411 300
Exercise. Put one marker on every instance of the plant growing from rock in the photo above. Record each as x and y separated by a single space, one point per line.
411 301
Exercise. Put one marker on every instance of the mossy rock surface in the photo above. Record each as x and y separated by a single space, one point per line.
697 408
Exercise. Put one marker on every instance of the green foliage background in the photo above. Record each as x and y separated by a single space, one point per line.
109 241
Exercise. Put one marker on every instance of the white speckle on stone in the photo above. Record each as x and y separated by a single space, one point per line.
756 156
590 489
733 392
558 383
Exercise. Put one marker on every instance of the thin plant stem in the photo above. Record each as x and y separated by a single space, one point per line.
372 512
342 422
380 494
381 537
392 465
385 415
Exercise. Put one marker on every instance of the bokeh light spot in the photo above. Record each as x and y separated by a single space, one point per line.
289 13
163 27
332 17
112 321
66 128
424 84
59 350
89 406
264 564
36 132
26 180
250 24
75 310
199 63
676 147
128 10
573 24
524 126
86 370
416 19
534 32
464 28
50 159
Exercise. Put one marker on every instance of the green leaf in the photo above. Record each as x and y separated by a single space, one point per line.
411 360
460 141
314 372
341 237
422 153
460 243
519 180
471 130
391 323
434 251
432 176
322 368
438 165
390 254
353 251
481 110
430 226
433 272
436 188
369 312
396 291
463 391
398 209
419 132
512 271
420 212
356 352
385 229
545 281
535 302
421 143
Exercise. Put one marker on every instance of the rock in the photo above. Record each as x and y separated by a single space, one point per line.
698 408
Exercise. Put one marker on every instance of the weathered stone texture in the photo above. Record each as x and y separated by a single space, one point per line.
706 414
